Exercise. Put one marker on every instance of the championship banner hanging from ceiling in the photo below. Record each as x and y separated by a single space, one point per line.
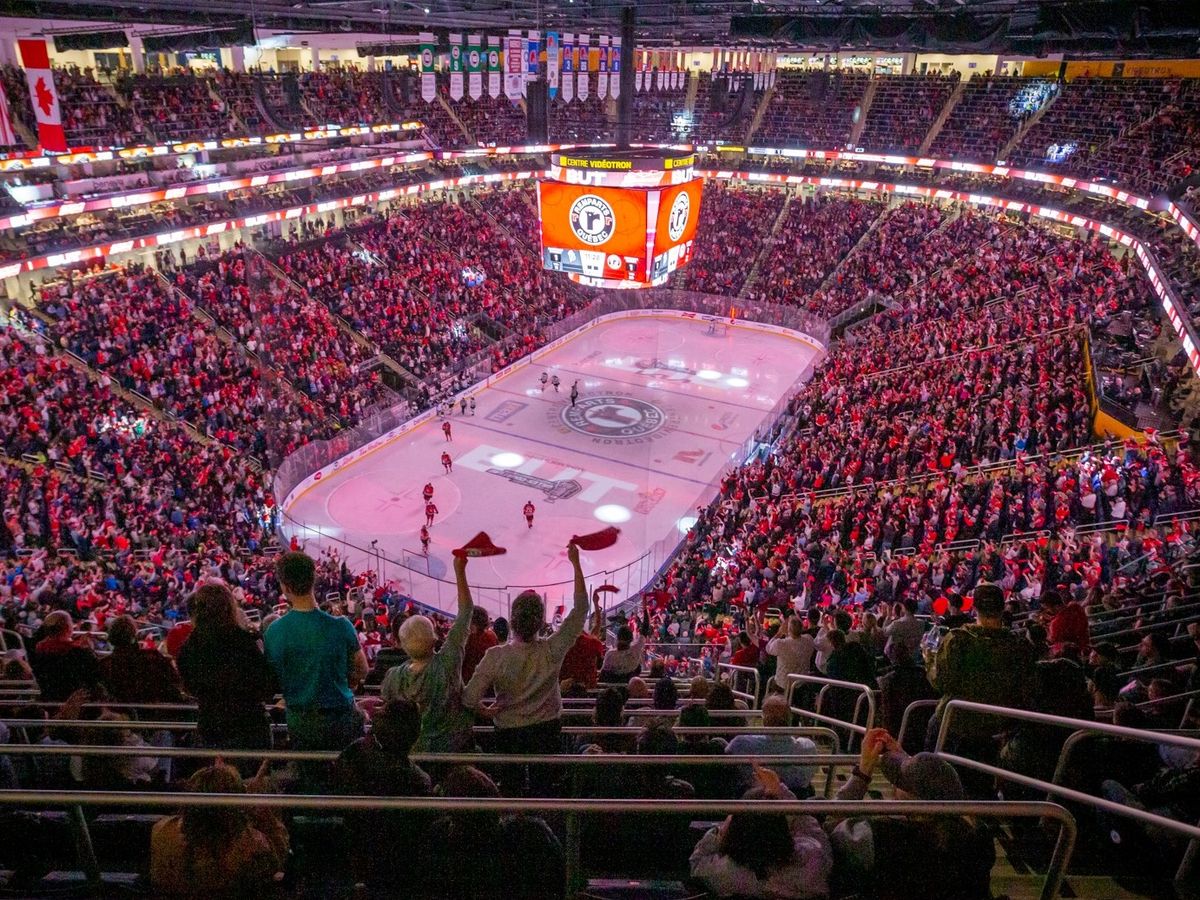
614 68
493 65
584 42
568 67
514 66
474 66
428 86
532 50
43 96
602 67
552 63
456 67
637 71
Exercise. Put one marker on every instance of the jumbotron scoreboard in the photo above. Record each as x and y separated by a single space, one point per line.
621 218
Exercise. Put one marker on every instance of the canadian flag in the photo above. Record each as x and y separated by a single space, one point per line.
43 96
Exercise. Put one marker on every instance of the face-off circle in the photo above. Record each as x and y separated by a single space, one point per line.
680 211
592 219
614 417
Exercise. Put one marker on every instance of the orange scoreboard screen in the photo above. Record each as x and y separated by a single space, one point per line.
674 228
613 236
597 232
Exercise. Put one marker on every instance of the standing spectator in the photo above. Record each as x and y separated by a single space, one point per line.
1066 623
223 667
433 681
625 661
61 665
480 639
524 673
793 653
135 674
904 632
581 666
317 659
985 663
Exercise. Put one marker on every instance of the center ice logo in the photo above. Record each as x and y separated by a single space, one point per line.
614 417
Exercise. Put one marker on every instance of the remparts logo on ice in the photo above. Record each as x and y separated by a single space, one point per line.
614 417
592 219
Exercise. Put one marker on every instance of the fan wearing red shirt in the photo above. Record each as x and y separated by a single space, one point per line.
480 639
1067 623
582 662
745 649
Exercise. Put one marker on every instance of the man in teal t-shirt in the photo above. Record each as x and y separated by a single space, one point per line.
318 662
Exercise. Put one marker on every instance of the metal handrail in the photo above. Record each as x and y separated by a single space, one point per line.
1141 611
907 717
1135 734
751 699
817 715
1068 749
453 759
77 800
135 725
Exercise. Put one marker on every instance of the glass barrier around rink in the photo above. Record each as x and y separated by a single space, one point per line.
409 571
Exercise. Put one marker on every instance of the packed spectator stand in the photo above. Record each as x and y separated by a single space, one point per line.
942 479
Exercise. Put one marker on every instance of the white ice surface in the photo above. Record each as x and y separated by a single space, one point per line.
713 392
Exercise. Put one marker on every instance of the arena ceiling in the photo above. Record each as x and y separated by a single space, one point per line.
1079 27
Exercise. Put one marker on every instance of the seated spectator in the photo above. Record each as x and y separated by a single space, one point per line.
609 712
874 856
134 674
433 681
378 765
209 851
61 665
765 854
710 782
483 855
775 714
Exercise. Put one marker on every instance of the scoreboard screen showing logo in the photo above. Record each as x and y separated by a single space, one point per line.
675 228
593 232
619 237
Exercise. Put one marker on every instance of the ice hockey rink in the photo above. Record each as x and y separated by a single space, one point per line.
666 407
